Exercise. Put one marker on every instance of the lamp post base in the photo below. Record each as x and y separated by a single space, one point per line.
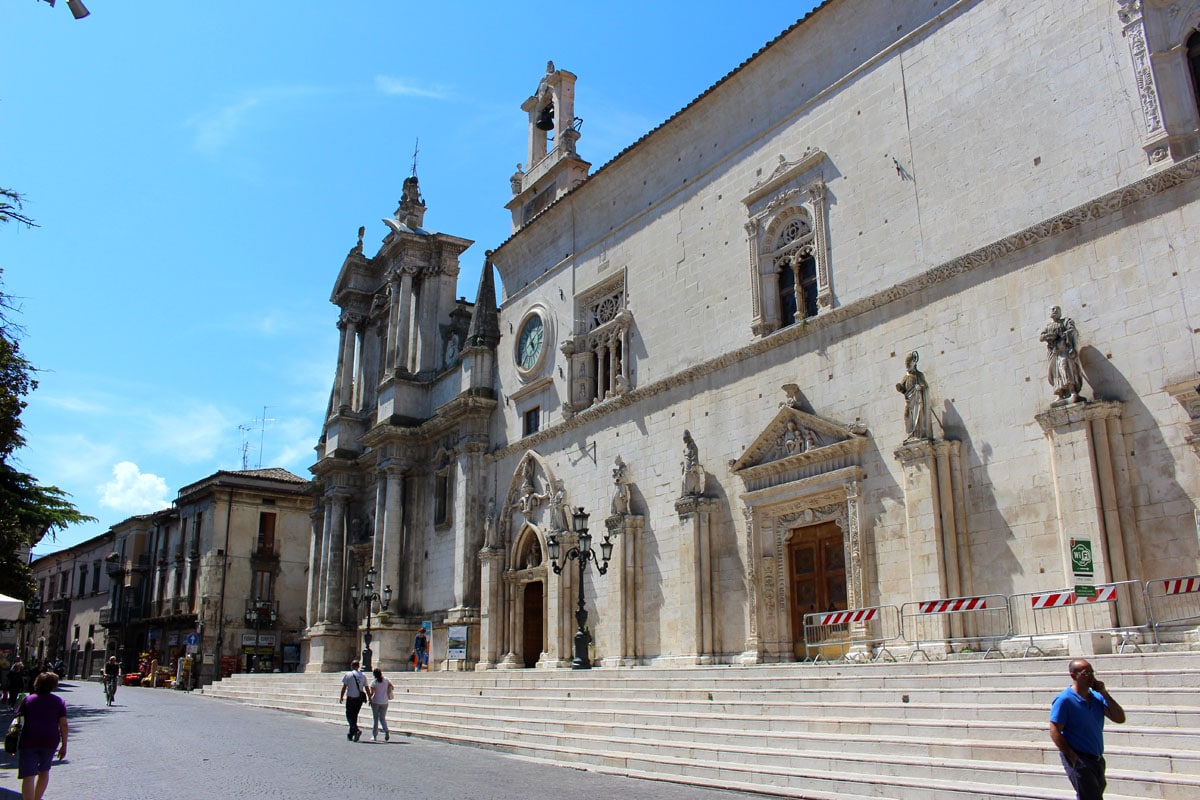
581 660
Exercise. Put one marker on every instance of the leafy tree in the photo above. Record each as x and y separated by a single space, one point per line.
28 510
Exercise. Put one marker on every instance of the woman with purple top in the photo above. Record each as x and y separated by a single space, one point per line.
45 729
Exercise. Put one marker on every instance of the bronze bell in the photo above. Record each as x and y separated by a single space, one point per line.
545 120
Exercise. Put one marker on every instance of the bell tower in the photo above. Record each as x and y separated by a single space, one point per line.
552 167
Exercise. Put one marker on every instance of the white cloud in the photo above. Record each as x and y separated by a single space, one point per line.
403 86
133 492
192 436
215 129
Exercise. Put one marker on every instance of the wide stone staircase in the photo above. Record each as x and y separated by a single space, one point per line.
950 729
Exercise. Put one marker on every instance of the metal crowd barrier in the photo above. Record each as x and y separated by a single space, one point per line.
854 635
944 622
1053 614
1172 601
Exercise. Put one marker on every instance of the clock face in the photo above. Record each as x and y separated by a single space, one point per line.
529 344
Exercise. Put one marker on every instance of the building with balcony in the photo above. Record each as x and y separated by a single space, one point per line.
220 575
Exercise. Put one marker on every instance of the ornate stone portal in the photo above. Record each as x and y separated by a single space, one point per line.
790 488
524 605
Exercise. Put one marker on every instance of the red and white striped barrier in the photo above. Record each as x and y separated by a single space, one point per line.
1104 594
954 604
846 617
1181 585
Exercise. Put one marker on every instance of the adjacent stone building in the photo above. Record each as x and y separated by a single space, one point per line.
219 575
73 586
895 311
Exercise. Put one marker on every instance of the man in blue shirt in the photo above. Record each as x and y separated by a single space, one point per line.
1077 729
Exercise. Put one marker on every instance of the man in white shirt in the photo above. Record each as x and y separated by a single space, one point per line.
354 693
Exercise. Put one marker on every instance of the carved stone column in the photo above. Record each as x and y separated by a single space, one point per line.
349 327
626 533
336 561
404 322
1083 438
323 578
393 323
315 566
392 529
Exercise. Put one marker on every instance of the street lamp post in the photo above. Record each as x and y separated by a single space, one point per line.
254 614
582 553
368 595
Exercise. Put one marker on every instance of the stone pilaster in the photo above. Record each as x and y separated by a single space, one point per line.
626 532
492 616
695 581
930 467
1082 439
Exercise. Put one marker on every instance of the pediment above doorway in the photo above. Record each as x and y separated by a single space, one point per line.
797 445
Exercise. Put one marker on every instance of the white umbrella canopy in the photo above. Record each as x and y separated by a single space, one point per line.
11 608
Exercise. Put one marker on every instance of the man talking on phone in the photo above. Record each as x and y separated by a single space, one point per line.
1077 729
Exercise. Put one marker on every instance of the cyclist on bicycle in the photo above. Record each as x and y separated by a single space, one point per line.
112 676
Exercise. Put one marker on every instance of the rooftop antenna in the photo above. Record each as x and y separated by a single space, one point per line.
262 432
416 149
245 445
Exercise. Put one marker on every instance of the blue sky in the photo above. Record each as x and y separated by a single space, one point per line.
198 171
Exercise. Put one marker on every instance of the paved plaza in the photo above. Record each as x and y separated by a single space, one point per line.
162 743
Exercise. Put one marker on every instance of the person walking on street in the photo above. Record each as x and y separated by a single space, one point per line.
420 651
382 691
354 694
16 682
1077 729
45 729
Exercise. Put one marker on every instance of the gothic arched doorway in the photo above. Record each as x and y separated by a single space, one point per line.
533 636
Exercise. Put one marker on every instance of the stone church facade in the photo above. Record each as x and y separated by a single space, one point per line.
893 312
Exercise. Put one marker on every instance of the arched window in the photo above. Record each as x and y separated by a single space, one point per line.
796 268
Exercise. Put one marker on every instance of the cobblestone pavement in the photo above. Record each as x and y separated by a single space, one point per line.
161 744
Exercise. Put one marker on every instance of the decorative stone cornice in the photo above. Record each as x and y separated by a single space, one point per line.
1093 211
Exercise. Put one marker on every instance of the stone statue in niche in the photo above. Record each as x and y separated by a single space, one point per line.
693 473
560 512
532 555
918 423
1062 357
489 524
620 501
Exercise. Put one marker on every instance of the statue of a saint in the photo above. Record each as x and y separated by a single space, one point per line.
693 473
1062 356
917 422
620 501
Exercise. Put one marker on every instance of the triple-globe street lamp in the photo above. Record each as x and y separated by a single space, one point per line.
368 595
583 553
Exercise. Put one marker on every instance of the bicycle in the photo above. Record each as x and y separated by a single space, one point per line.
110 689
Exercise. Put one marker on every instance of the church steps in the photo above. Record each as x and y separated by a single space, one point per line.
968 729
